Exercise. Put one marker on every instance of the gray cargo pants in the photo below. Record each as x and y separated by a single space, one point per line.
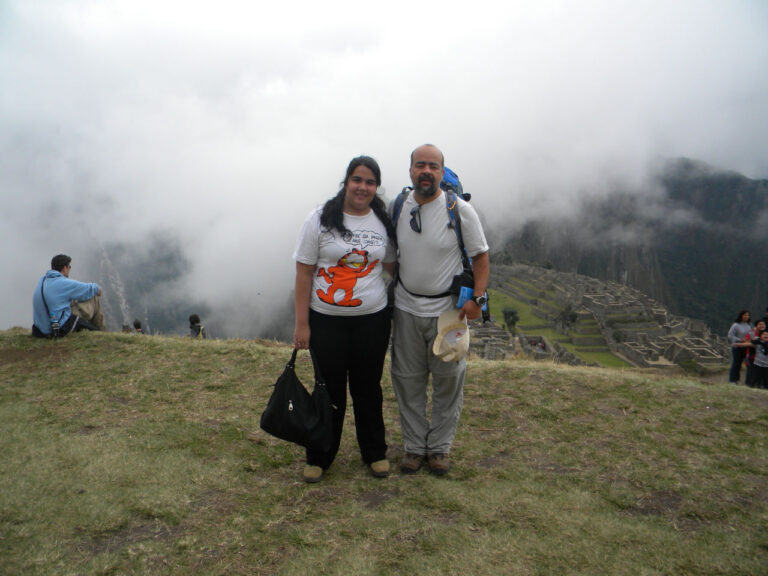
412 363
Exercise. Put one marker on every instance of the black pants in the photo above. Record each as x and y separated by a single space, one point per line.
80 324
738 355
751 373
73 324
760 379
352 348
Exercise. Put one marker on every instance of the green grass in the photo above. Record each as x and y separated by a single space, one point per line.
500 300
143 455
528 324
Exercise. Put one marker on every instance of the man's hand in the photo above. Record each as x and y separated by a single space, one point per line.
470 310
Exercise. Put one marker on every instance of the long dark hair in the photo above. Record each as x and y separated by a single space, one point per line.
741 314
332 215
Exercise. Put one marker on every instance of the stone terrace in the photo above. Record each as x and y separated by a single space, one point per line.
631 324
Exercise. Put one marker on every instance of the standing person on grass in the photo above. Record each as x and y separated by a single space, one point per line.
341 308
760 374
739 330
429 257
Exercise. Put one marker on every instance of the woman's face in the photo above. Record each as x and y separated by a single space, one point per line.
760 325
360 189
745 317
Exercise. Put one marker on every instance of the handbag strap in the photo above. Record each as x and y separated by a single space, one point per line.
42 295
318 376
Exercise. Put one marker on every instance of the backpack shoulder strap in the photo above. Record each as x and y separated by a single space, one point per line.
397 207
455 218
453 215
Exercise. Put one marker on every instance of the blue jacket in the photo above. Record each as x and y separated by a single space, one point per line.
59 291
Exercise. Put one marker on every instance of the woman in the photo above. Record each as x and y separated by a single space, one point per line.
341 308
739 329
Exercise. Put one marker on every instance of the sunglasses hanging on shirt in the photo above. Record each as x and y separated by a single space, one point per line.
416 219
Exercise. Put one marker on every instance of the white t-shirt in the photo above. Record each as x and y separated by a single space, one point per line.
429 260
348 279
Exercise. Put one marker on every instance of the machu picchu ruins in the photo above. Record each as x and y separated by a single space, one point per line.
591 315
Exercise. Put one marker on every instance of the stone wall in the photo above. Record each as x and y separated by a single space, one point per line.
646 333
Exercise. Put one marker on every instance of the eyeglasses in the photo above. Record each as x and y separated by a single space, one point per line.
416 219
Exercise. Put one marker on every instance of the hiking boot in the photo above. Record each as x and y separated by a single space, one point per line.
411 463
312 474
380 468
439 464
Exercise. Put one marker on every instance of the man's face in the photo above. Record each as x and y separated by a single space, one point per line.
427 171
66 269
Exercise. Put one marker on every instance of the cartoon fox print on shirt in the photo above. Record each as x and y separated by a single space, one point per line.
343 277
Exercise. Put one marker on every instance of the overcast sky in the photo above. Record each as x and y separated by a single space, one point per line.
226 122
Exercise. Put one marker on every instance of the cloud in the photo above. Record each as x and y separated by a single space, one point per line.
225 123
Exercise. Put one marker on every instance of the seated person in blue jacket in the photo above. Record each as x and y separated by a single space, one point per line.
61 305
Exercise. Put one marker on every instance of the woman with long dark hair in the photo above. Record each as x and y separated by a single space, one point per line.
740 329
341 308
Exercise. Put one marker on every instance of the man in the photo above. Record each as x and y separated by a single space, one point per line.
61 305
429 258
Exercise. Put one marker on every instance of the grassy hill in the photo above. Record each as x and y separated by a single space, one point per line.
126 454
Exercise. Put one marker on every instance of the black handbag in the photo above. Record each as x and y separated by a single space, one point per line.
295 415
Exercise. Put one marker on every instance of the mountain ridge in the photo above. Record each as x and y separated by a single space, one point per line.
693 243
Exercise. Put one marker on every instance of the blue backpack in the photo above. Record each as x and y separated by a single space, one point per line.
451 182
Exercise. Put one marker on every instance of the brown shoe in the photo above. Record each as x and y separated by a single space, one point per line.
411 463
380 468
439 464
312 474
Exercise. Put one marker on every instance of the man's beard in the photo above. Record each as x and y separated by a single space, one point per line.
426 192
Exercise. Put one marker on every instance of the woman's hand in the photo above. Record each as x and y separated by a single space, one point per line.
301 337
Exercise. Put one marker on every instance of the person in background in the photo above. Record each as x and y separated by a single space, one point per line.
736 335
749 359
137 327
341 308
760 376
196 329
61 305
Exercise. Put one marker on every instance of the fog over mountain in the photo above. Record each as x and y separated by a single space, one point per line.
696 246
173 149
